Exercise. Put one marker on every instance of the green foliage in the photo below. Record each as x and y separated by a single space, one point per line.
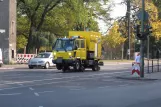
21 42
57 17
43 39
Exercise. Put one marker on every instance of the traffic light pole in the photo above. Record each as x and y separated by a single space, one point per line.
142 41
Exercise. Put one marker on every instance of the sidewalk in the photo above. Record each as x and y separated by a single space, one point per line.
16 66
147 76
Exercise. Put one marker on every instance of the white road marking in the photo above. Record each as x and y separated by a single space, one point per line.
104 87
45 92
80 78
31 88
40 106
20 84
67 77
10 94
36 94
123 85
76 89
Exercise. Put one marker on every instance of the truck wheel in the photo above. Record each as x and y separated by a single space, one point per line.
77 65
95 67
82 68
0 65
58 66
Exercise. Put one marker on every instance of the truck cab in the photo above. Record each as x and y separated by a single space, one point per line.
74 52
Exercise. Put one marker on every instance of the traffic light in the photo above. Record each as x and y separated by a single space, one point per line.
142 35
138 32
148 30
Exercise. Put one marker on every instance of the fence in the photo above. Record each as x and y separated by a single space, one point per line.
152 65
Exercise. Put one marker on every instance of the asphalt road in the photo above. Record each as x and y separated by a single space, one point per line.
52 88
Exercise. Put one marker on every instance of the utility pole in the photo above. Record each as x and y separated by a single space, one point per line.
128 16
142 41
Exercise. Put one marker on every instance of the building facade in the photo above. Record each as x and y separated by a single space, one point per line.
8 23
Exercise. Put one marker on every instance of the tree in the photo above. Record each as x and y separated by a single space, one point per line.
36 11
58 16
43 39
113 39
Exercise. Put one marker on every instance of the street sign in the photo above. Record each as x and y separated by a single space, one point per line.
128 51
139 15
2 30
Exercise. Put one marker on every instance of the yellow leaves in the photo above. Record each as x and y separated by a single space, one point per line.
152 11
156 29
114 38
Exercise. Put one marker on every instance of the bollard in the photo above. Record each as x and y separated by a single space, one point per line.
148 65
158 65
152 65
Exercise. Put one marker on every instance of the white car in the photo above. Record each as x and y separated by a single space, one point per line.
41 60
1 60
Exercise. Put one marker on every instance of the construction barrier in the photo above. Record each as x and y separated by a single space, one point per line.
24 58
136 70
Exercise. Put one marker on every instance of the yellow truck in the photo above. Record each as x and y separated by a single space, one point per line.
81 50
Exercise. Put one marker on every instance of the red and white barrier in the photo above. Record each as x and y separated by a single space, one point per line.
136 70
24 58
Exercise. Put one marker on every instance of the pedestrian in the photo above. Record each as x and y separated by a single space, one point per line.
137 59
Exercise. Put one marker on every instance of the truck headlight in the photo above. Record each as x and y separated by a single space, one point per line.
54 53
70 53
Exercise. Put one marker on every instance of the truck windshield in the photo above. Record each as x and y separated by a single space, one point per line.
64 45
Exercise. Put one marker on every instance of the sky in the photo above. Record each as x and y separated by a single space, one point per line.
118 10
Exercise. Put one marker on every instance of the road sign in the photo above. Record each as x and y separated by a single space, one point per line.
139 15
128 51
2 30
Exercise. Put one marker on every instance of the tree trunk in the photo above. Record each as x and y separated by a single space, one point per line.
111 55
29 47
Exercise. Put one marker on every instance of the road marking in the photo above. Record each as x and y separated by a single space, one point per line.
45 92
81 78
123 85
104 87
67 77
10 94
31 88
76 89
20 84
36 94
40 106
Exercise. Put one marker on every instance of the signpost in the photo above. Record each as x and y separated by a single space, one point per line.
2 30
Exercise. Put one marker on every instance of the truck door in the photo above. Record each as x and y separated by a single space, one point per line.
77 43
83 49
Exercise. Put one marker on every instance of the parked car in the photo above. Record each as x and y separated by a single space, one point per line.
1 60
41 60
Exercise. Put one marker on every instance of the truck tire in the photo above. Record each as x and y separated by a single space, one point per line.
95 67
0 65
82 69
58 66
77 66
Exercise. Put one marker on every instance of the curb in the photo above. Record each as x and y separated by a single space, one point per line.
136 78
